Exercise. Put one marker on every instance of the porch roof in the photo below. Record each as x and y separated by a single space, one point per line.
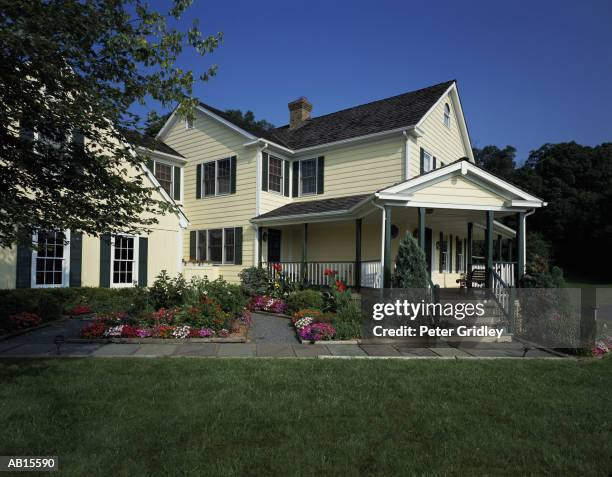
320 208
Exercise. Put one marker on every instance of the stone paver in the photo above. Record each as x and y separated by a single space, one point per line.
271 329
416 352
269 350
450 352
380 350
156 350
117 349
6 345
310 351
197 349
488 353
236 350
30 349
79 349
346 350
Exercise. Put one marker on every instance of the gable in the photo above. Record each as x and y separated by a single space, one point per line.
458 190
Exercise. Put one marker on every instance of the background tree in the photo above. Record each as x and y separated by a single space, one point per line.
500 162
248 120
576 181
410 265
73 69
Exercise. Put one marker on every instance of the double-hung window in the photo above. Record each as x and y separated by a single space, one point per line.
223 176
427 162
275 174
217 245
50 259
164 174
308 176
124 266
217 177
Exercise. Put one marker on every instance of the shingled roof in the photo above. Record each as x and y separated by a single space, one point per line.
149 142
337 204
387 114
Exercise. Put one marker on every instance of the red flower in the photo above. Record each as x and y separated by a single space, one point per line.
341 286
329 272
81 310
277 267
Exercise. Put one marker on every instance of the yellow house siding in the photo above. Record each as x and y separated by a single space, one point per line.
444 143
209 140
362 168
269 201
8 267
458 190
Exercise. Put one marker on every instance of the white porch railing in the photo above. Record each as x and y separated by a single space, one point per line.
504 269
371 274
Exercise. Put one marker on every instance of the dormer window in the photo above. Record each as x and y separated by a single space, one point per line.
447 115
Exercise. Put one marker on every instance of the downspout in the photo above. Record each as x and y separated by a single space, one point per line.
258 158
407 158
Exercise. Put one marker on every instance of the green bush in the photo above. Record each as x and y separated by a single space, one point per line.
167 292
254 281
229 296
302 299
347 330
410 265
50 303
349 312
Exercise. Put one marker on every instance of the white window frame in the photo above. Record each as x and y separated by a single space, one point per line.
65 266
282 181
224 260
427 154
316 191
171 166
447 115
134 281
216 162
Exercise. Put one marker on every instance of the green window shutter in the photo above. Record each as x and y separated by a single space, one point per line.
143 256
192 245
79 143
199 181
26 133
238 245
105 260
450 254
296 179
24 264
320 174
286 178
177 183
76 258
264 171
233 175
435 163
150 165
422 161
441 255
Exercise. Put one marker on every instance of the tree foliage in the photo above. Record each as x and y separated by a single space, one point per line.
247 120
410 265
71 69
576 182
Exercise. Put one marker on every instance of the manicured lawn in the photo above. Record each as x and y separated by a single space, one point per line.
309 417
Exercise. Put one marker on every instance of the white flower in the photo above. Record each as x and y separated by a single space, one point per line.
181 332
302 322
114 331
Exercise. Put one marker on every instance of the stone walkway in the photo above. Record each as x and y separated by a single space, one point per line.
270 337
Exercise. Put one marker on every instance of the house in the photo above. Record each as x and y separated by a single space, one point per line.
336 191
61 258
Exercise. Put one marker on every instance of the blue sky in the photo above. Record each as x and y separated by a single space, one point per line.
528 72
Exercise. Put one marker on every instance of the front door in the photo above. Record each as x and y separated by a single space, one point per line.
274 245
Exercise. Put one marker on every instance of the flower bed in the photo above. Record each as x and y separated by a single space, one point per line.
205 321
267 303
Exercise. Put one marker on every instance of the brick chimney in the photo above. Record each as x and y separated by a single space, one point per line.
299 112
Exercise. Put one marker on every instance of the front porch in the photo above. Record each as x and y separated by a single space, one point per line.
456 213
